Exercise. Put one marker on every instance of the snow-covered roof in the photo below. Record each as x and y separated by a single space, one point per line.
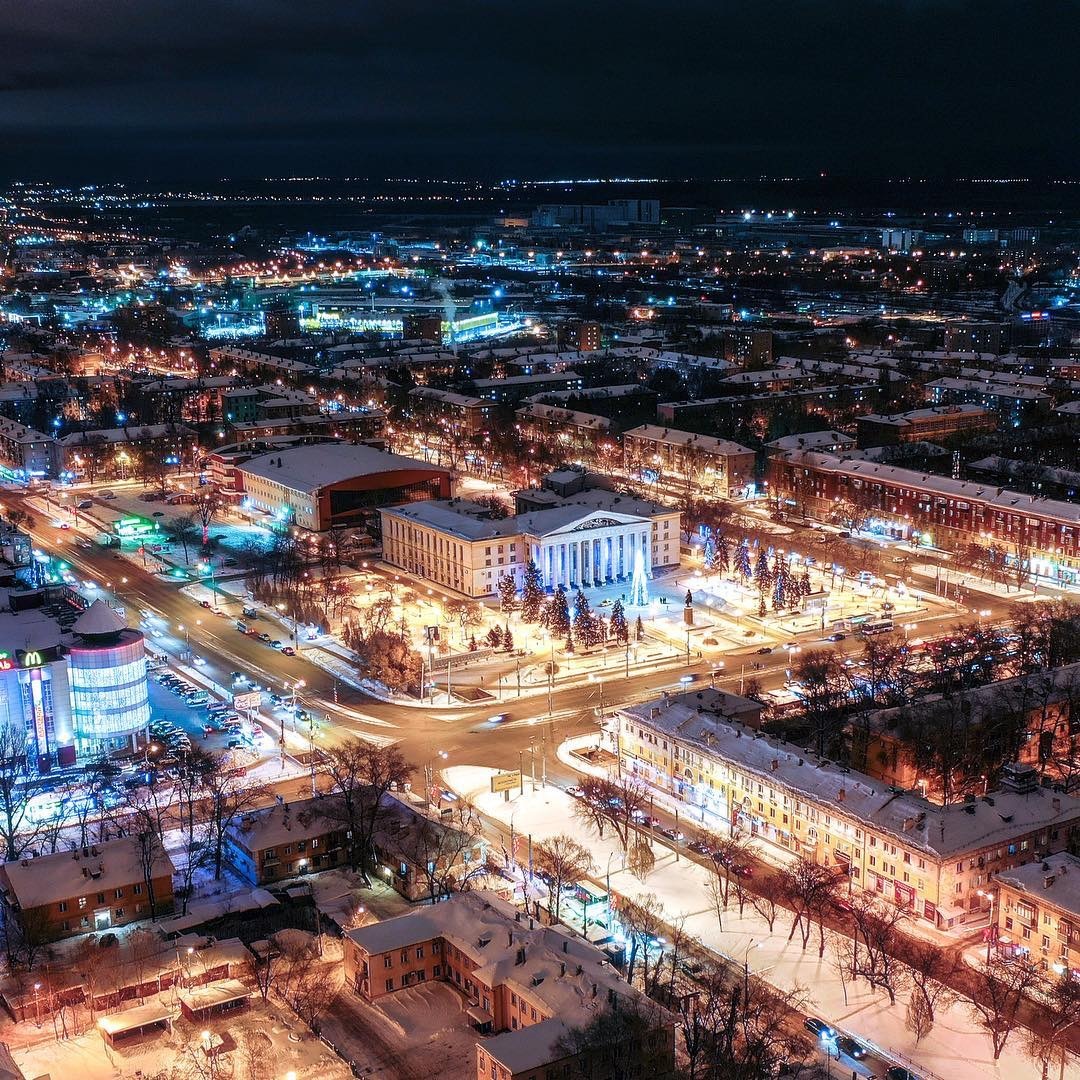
707 444
812 440
98 620
1020 393
51 878
564 975
133 1019
307 468
942 831
996 498
529 1047
1054 880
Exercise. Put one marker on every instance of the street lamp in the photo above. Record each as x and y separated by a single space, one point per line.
746 969
991 930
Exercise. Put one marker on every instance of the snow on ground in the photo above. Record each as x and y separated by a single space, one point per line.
681 886
415 1034
283 1039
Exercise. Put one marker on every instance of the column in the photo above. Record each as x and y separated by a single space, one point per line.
566 565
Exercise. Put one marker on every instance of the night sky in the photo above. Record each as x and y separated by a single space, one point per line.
201 89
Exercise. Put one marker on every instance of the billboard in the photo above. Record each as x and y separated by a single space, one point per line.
505 781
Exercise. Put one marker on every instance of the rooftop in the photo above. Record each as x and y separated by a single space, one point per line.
101 868
569 978
307 468
675 437
1054 880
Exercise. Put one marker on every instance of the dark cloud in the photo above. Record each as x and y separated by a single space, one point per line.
134 88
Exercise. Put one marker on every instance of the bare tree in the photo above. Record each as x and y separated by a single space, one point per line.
16 831
616 803
1048 1040
767 899
930 972
808 889
643 921
999 991
228 795
363 775
561 861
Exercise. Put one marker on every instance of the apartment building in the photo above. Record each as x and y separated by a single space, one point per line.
934 860
571 429
935 510
719 465
90 888
419 857
1012 403
526 985
469 414
1038 913
27 453
942 422
287 840
1047 701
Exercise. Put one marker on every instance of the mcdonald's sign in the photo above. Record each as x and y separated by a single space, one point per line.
32 659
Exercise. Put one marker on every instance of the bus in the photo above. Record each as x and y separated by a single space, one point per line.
881 626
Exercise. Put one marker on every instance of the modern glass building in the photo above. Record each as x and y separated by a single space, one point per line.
110 707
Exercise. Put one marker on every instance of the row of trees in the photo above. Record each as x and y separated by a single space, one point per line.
959 737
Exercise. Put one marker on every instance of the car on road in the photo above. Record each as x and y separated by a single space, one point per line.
238 676
250 613
288 650
849 1046
198 661
106 494
819 1028
276 699
837 637
574 792
204 604
264 636
498 718
764 650
898 1072
236 744
228 562
674 835
275 644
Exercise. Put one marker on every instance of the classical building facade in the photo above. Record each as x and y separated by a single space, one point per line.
459 545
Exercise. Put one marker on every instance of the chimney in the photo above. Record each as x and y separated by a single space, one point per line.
775 764
520 959
565 945
562 969
841 795
1048 880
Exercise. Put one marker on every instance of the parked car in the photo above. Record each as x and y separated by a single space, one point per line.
288 650
898 1072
